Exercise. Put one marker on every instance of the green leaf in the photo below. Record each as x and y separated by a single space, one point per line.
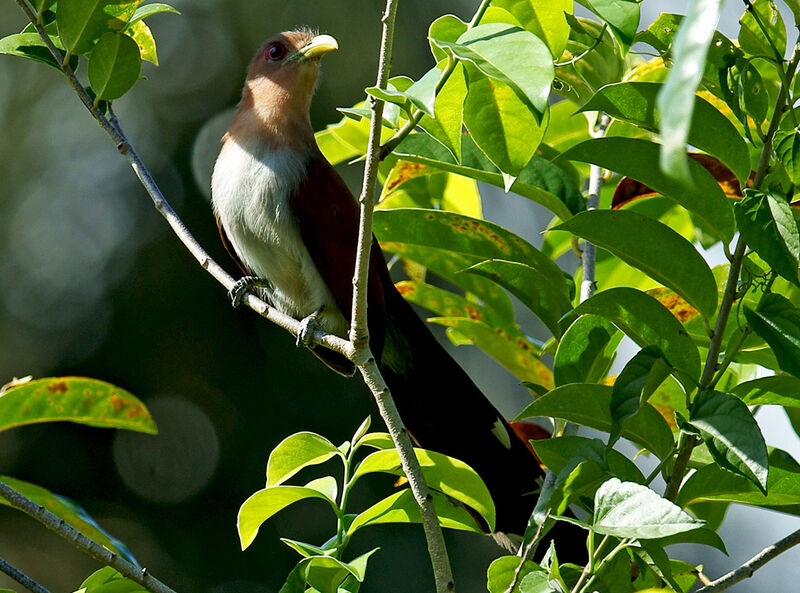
647 322
510 347
651 247
731 434
346 139
589 404
752 38
767 224
266 502
586 351
548 301
430 188
143 37
449 110
42 5
777 321
621 15
114 66
501 573
445 474
449 266
511 55
556 452
543 19
781 390
714 483
401 507
704 536
73 399
787 148
108 580
146 10
676 99
540 180
637 381
304 549
501 124
82 22
30 46
638 158
711 131
68 510
377 440
626 509
447 230
447 28
295 452
324 574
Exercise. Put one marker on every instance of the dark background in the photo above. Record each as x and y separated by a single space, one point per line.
93 283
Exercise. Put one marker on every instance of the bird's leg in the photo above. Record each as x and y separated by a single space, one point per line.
243 285
307 326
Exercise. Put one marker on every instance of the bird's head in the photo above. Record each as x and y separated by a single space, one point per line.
280 82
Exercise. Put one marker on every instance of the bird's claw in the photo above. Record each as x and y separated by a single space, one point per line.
240 287
308 326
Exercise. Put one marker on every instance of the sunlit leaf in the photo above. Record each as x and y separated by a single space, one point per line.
82 22
543 19
781 390
143 37
295 452
752 38
114 66
146 10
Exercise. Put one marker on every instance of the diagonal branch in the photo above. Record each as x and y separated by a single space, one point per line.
747 569
80 541
359 332
21 577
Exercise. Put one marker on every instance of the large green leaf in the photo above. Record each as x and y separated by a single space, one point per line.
449 110
540 180
712 482
777 321
501 124
651 247
621 15
445 474
647 322
295 452
638 158
710 130
510 347
767 224
589 404
676 100
731 434
627 509
31 46
114 66
401 507
447 28
544 19
455 232
108 580
266 502
637 381
556 452
586 351
752 38
549 302
72 514
82 22
147 10
450 265
74 399
502 571
510 55
781 390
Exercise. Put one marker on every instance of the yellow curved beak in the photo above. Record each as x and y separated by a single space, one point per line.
319 46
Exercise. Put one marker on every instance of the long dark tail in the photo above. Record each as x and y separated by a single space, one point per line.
444 411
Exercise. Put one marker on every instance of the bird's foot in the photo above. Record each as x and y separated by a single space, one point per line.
308 326
243 285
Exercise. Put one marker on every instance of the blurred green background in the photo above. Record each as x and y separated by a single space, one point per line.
92 282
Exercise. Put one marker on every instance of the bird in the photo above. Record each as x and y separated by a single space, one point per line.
291 223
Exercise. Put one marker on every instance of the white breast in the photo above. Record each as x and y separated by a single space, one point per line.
250 188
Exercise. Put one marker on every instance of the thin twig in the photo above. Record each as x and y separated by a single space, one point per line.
588 256
23 579
747 569
359 332
80 541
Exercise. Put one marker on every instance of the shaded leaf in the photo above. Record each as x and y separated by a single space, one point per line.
781 390
82 22
295 452
31 46
787 149
640 377
108 580
74 399
556 452
586 351
449 109
114 66
752 38
146 10
777 321
501 573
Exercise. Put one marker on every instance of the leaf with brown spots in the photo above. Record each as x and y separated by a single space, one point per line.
73 399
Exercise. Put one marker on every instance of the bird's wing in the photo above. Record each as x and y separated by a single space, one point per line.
229 248
327 215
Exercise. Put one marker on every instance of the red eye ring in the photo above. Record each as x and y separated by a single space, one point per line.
275 51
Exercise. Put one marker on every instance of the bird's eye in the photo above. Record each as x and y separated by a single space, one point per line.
275 52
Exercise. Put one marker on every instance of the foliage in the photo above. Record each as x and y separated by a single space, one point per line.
513 100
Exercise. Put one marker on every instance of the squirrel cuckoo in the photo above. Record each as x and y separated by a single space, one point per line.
290 221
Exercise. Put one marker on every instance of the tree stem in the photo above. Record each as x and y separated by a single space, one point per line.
589 253
21 577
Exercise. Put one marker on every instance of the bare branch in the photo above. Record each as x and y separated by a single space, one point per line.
80 541
359 332
21 577
747 569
